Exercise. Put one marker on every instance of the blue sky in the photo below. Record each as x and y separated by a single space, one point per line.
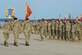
43 8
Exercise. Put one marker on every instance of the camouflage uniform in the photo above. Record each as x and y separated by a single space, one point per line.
60 30
35 28
38 27
6 30
45 29
68 26
57 23
49 30
27 31
73 31
16 27
64 31
53 29
42 29
81 30
32 29
78 29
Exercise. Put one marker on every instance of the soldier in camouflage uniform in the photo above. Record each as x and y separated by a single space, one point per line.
49 29
53 29
16 28
6 30
78 30
73 31
38 27
57 23
81 30
60 30
35 28
32 28
64 30
42 29
27 31
68 26
45 29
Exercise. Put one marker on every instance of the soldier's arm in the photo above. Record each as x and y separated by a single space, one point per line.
12 25
3 26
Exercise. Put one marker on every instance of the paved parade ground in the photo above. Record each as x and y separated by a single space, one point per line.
38 47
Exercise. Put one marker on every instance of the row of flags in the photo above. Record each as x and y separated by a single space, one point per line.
10 13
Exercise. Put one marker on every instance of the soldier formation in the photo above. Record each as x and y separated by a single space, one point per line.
50 29
67 30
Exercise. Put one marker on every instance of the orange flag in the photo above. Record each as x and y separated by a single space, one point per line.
28 11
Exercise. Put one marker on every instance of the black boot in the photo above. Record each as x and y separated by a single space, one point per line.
6 44
41 38
15 44
27 44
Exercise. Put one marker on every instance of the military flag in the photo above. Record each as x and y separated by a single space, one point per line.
28 12
10 13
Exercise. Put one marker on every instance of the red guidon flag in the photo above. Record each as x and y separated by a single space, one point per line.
28 11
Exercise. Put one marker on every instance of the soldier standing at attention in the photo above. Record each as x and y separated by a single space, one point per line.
64 30
49 29
68 26
60 29
81 29
73 31
38 27
45 29
78 30
6 30
42 29
57 23
53 29
27 31
16 27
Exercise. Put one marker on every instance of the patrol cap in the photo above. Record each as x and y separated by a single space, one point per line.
15 18
42 19
6 21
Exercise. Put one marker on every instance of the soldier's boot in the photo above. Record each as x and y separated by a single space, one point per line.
42 38
45 36
58 38
27 44
79 39
15 44
53 37
6 43
49 37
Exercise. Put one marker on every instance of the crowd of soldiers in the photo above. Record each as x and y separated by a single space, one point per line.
16 27
50 29
67 30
